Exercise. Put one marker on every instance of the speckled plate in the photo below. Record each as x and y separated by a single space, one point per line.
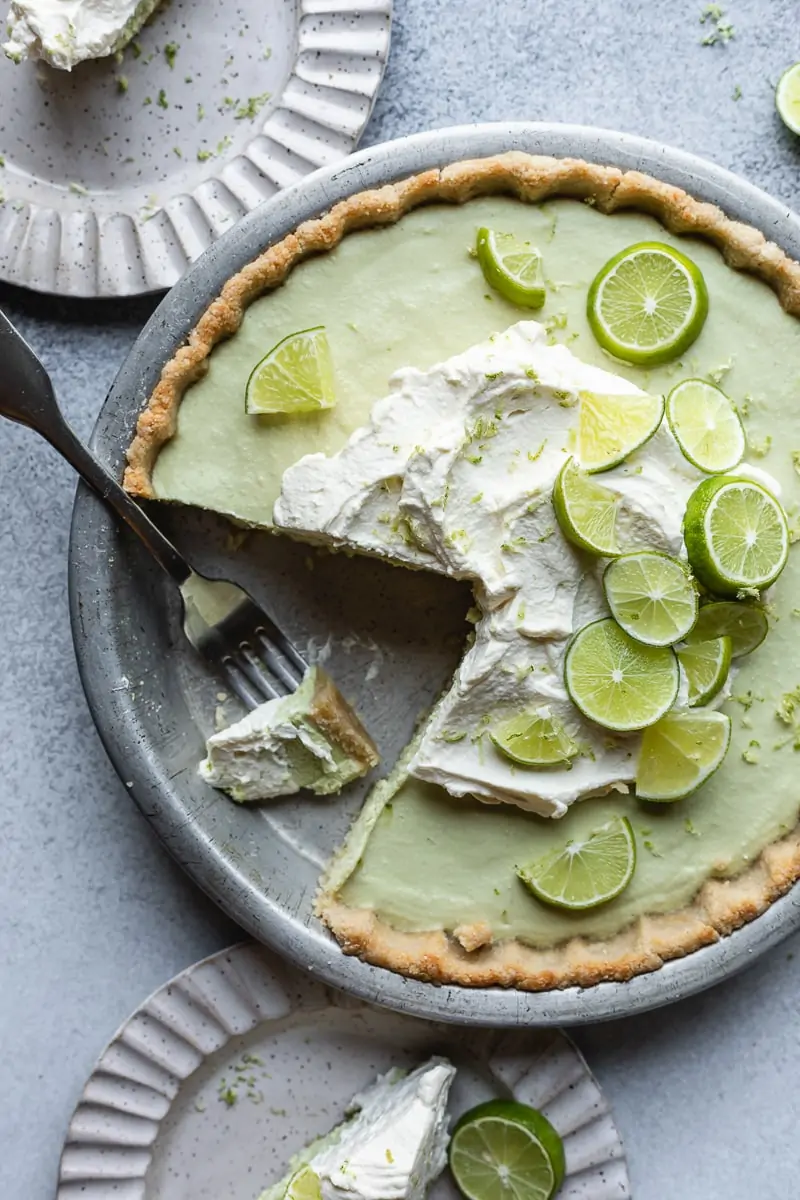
390 638
117 176
237 1063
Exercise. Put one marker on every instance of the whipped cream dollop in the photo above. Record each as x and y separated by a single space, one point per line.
66 32
455 473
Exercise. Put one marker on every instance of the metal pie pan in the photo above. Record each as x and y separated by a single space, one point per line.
389 637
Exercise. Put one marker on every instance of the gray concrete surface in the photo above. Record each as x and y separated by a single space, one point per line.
93 914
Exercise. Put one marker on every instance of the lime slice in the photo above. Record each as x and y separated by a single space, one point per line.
647 304
652 596
736 535
680 753
586 511
503 1150
304 1185
585 874
616 681
706 426
295 377
745 624
535 739
706 665
787 98
612 427
512 267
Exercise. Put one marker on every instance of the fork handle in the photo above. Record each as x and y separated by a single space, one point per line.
27 396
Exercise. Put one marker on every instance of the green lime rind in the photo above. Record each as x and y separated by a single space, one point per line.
787 98
647 304
294 378
736 534
586 511
612 427
706 666
616 681
681 753
512 267
535 739
706 426
652 597
745 624
583 875
486 1136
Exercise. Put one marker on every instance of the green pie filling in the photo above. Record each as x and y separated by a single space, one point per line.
411 295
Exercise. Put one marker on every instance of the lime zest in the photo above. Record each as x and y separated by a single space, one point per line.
295 377
647 304
585 874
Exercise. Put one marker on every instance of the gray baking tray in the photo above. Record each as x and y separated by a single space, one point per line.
391 638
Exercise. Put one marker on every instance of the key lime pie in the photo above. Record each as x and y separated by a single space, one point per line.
572 387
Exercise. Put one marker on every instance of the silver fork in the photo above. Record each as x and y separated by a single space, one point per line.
220 620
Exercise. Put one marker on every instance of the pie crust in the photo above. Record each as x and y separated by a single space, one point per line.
468 957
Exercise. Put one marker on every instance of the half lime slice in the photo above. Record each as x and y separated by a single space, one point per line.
706 426
787 98
512 267
616 681
503 1150
303 1185
706 666
652 596
584 874
680 753
612 427
295 377
736 535
745 624
647 304
586 511
535 739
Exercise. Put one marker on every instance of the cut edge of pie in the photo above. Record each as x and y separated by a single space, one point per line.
468 957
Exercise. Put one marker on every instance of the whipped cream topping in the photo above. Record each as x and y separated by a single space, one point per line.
455 473
65 32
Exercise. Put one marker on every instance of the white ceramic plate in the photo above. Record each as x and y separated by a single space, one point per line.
210 1087
119 175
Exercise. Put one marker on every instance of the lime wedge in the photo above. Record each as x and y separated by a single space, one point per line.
584 874
652 596
745 624
512 267
706 665
787 98
647 304
612 427
706 426
535 739
680 753
586 511
616 681
503 1150
295 377
736 535
304 1185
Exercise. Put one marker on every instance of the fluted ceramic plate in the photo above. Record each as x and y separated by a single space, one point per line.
118 175
240 1061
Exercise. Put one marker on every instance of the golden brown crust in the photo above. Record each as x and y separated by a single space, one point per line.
721 905
529 177
334 718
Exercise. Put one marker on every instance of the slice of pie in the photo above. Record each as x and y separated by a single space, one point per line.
451 468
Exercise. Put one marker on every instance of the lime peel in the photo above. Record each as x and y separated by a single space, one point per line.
611 427
736 534
706 426
680 753
582 875
512 267
535 739
504 1150
295 377
651 596
618 682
